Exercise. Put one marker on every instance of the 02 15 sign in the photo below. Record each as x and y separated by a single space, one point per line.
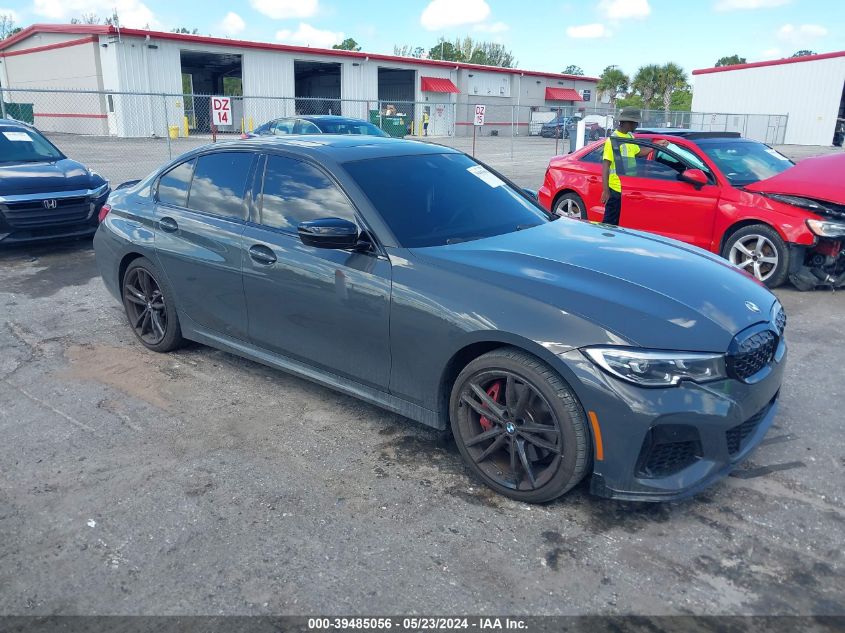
221 110
479 114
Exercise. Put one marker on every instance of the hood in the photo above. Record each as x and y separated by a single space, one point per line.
819 178
46 177
650 291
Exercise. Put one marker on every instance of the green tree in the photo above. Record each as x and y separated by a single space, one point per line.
348 45
492 54
803 53
730 60
7 26
646 82
182 29
672 78
446 51
612 83
682 99
408 51
572 69
632 100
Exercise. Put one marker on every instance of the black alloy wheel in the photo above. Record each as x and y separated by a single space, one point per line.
144 298
518 426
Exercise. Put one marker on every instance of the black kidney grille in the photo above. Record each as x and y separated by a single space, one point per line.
753 354
780 321
670 457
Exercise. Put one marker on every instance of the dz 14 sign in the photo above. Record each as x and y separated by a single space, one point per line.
221 110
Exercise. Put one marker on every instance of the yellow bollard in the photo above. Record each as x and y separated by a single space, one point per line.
185 126
250 124
242 125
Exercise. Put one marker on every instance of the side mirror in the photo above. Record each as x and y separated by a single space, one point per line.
333 233
695 177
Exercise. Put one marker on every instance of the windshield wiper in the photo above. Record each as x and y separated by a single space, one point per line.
458 240
521 227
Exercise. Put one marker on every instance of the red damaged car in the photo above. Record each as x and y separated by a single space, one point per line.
775 219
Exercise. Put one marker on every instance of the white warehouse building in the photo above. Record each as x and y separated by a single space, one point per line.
809 90
275 80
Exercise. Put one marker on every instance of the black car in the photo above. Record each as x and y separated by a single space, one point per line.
316 124
413 277
43 193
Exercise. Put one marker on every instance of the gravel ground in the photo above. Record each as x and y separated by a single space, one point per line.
200 483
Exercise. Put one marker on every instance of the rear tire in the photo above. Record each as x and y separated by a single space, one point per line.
534 446
150 308
760 251
570 205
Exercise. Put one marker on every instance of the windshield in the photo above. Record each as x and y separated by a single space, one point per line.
437 199
22 145
350 127
745 162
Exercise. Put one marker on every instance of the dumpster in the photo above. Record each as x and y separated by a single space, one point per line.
395 125
20 111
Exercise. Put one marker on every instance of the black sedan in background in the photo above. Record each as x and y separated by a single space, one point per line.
413 277
316 124
44 194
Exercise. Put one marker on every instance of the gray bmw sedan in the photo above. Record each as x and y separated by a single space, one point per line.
413 277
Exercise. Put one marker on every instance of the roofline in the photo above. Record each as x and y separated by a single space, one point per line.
774 62
105 29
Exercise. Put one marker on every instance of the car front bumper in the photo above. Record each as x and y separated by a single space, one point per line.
32 225
670 443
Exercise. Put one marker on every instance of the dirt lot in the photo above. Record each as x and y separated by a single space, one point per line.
198 482
201 483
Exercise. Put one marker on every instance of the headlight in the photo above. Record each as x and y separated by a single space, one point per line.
823 228
658 369
797 201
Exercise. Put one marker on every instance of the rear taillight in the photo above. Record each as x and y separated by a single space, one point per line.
104 211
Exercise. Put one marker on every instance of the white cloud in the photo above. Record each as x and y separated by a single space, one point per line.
232 24
441 14
624 9
495 27
740 5
12 15
132 13
771 53
285 9
588 31
307 35
801 35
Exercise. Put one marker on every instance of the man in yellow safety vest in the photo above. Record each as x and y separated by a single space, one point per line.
611 195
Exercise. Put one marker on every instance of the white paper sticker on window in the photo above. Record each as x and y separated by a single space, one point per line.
486 176
776 154
18 136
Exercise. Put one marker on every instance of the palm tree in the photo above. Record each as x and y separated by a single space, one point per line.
647 83
672 78
612 82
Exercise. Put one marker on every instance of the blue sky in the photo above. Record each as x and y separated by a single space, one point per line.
543 34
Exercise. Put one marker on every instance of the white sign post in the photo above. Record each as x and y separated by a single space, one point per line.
478 121
221 110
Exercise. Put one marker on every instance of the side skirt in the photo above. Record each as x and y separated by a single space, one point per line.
297 368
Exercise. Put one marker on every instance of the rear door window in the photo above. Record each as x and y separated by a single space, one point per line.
173 186
296 192
283 126
219 184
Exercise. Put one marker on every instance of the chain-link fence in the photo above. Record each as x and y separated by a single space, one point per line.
127 135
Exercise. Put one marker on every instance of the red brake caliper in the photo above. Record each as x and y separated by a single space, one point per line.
493 391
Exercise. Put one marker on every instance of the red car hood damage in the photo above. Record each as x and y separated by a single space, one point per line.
820 178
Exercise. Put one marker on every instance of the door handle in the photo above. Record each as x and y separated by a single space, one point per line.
168 224
262 255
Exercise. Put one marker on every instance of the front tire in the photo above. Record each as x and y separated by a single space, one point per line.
760 251
519 426
570 205
149 306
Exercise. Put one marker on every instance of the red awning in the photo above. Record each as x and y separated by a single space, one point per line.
562 94
438 84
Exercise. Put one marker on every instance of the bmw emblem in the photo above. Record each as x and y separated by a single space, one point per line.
752 306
